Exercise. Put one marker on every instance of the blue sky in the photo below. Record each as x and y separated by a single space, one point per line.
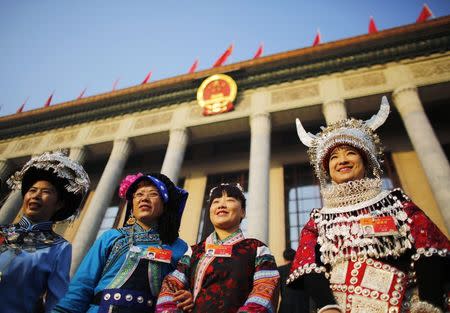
66 46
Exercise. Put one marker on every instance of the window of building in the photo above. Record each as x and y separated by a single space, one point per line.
205 227
108 220
302 195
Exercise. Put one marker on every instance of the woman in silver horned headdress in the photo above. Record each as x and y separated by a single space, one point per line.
367 248
35 261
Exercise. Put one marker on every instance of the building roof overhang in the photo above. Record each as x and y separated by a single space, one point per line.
394 44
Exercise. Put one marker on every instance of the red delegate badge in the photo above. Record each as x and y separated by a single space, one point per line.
159 255
378 226
218 250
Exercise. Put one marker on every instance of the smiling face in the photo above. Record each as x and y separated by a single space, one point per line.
147 204
226 213
346 164
41 202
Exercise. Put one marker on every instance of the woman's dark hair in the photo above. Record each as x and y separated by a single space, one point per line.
289 254
231 190
169 221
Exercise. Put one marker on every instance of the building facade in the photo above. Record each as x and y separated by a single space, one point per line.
160 127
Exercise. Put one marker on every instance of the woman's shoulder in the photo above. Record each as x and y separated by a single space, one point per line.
178 247
179 244
111 234
253 243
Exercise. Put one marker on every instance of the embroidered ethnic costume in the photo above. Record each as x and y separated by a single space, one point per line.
235 275
124 269
367 249
107 268
35 261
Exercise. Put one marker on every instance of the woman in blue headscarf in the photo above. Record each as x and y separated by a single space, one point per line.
124 269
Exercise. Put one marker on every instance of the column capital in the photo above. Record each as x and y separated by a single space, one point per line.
78 154
402 89
406 99
256 115
179 129
121 146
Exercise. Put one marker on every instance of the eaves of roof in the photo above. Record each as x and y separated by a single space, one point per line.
386 46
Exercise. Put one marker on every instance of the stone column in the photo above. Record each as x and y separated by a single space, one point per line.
175 153
277 222
258 191
195 185
78 154
12 204
11 207
4 167
334 111
426 145
93 217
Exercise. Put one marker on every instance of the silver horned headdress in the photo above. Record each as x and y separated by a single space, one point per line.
356 133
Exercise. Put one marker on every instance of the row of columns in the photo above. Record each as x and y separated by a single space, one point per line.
406 100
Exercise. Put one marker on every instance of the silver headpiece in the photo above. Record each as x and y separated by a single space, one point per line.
63 167
356 133
68 174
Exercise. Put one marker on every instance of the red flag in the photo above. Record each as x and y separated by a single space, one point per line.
220 61
147 78
115 84
81 94
193 67
316 39
20 110
425 14
259 52
49 100
372 27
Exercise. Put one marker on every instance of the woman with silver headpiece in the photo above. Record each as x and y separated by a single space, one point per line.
124 269
226 272
367 249
35 261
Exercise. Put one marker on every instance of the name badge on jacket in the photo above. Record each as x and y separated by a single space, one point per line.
159 255
378 226
223 251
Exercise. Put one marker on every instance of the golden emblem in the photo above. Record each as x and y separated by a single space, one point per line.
216 94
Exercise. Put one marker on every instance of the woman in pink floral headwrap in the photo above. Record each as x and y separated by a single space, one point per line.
124 269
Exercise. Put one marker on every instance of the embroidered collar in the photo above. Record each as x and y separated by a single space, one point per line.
139 229
137 234
235 237
26 225
28 236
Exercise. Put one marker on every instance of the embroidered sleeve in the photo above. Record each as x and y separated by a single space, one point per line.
428 239
264 294
177 280
305 260
431 257
82 286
